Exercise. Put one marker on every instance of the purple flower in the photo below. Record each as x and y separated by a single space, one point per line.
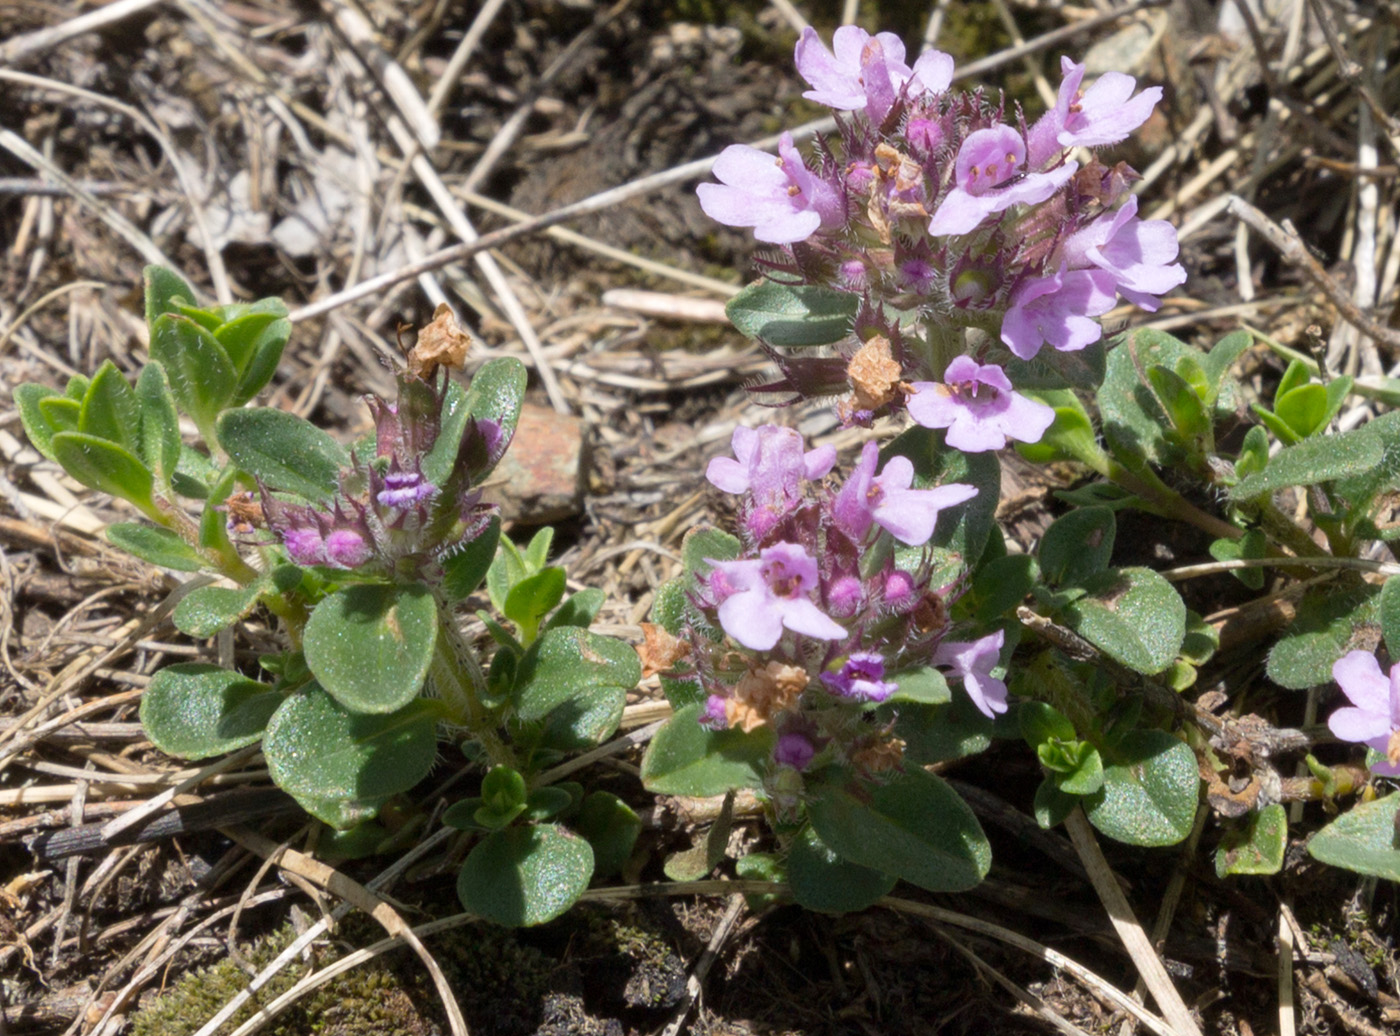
1373 718
764 594
780 198
1105 114
1059 310
1138 253
305 545
986 181
795 750
404 489
862 678
770 462
973 661
908 515
867 71
979 409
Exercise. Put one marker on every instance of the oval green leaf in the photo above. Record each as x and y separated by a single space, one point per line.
525 875
685 758
206 610
1077 545
370 646
342 765
1363 839
194 710
156 545
572 665
106 467
1150 791
201 376
915 827
824 881
793 315
283 451
1133 614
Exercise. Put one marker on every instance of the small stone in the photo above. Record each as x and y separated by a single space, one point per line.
542 475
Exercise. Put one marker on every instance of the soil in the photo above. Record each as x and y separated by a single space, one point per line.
286 151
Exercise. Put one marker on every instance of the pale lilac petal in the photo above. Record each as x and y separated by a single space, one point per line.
1030 417
934 71
1349 724
728 474
968 434
802 616
818 462
787 229
933 405
910 515
741 164
960 213
987 693
1359 676
898 473
749 618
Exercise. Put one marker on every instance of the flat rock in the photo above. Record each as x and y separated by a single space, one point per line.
542 476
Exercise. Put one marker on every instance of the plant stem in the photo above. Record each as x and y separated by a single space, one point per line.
461 684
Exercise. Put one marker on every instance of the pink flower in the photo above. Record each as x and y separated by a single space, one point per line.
909 515
1138 253
765 594
979 409
769 464
1106 113
987 180
867 71
780 198
1373 718
1059 310
795 750
974 661
861 678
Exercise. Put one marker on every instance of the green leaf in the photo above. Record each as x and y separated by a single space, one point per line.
579 610
792 315
525 875
206 610
106 467
1135 425
611 827
1360 490
1390 615
1041 723
1257 847
370 646
201 375
463 571
1330 622
531 599
163 288
685 758
160 423
1077 546
154 544
194 710
544 803
821 880
1222 356
936 733
1054 369
194 474
502 789
1052 805
454 419
1087 776
1070 437
1184 407
496 393
1320 459
110 409
1363 839
283 451
703 545
1295 375
570 662
36 423
537 552
1253 544
1001 585
1254 452
925 685
1304 409
1133 615
342 765
254 343
915 827
1150 791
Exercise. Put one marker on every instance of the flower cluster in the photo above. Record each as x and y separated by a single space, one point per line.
388 515
946 205
824 618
